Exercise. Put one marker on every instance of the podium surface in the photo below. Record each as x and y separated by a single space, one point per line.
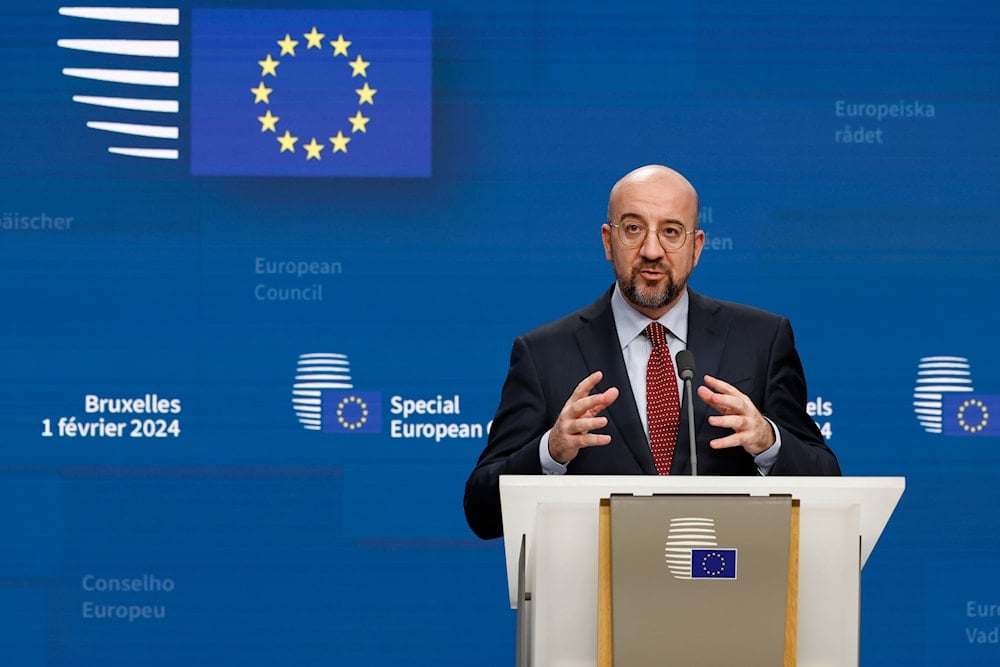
842 519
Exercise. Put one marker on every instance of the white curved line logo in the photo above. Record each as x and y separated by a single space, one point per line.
938 377
156 51
316 372
684 535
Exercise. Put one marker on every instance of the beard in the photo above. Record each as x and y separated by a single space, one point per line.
653 298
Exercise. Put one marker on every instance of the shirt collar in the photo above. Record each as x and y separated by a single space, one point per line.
630 322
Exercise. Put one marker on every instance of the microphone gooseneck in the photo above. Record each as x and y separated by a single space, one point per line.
685 369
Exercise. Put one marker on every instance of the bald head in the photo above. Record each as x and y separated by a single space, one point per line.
652 177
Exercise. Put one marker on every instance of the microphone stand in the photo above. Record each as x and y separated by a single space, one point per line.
689 394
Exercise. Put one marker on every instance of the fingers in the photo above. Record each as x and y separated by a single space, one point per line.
725 398
733 440
738 413
579 416
582 403
721 385
583 415
586 384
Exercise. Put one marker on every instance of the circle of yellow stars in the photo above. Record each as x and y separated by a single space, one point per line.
984 415
342 420
262 94
713 572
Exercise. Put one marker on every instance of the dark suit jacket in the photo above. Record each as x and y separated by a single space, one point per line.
749 348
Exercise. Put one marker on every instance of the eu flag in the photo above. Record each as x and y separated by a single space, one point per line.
310 93
349 411
971 414
713 563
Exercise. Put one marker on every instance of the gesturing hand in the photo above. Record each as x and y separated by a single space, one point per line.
750 430
578 417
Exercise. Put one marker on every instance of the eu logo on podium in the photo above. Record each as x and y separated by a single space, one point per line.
713 563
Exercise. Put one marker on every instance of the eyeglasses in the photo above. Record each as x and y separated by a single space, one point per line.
672 235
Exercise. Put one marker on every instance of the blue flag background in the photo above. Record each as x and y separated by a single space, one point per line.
713 563
971 414
352 412
845 154
313 89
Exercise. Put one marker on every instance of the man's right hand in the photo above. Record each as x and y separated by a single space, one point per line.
578 417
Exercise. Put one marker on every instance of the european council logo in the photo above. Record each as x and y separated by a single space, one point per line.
945 403
972 415
273 92
692 552
324 398
352 412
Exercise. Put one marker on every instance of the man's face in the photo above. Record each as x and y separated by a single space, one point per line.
652 279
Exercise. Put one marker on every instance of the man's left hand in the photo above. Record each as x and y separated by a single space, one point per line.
737 412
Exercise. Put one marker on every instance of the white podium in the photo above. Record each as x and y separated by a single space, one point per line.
841 519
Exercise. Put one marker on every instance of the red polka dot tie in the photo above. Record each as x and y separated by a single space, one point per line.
663 404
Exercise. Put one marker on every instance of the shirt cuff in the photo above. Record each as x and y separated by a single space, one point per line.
549 465
765 460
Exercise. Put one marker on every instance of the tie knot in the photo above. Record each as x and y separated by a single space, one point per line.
656 334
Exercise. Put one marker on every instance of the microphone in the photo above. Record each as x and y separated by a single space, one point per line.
685 368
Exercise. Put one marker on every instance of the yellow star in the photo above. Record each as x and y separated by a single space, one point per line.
268 122
261 94
315 38
358 123
313 149
268 66
359 66
366 94
287 142
340 46
340 142
288 45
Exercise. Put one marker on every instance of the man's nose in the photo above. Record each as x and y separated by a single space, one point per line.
651 248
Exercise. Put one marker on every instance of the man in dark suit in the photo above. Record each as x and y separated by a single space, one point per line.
575 396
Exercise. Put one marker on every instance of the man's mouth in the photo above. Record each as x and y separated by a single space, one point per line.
652 273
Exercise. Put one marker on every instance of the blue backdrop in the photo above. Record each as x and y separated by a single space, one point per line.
243 380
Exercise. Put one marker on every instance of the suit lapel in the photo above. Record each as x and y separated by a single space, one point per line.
600 347
706 333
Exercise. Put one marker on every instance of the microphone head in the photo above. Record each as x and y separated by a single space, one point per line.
685 365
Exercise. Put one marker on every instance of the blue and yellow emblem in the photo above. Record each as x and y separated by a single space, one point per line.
971 414
352 412
713 563
311 93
